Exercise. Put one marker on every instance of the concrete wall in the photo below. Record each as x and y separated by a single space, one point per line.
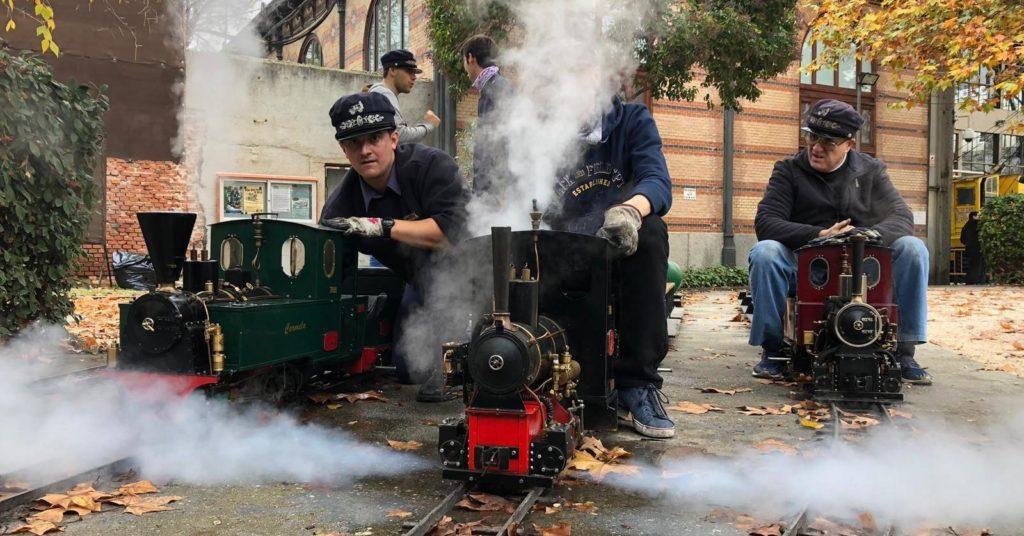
696 250
262 117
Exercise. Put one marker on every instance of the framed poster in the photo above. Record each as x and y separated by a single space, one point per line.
289 198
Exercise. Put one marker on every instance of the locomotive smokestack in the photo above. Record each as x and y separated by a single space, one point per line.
501 245
857 285
166 235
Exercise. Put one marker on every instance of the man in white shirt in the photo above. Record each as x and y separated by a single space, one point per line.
400 72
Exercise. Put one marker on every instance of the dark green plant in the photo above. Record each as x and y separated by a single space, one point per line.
724 45
714 277
1001 232
51 135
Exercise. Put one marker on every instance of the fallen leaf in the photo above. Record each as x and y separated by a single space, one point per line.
867 521
14 486
485 502
774 529
1017 345
585 461
775 445
53 515
137 488
693 408
808 423
724 391
1000 368
586 507
405 445
560 529
765 410
1007 326
400 514
368 395
36 527
56 499
333 406
143 505
893 412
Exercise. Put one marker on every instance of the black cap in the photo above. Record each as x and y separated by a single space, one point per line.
361 113
833 119
400 58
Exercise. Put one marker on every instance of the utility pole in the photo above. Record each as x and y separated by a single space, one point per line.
729 149
941 117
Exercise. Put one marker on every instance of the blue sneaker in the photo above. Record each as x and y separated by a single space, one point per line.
769 367
912 372
646 411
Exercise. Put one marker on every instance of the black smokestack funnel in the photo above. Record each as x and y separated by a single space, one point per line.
501 244
166 235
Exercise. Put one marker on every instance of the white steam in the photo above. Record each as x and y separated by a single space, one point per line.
932 474
197 440
570 59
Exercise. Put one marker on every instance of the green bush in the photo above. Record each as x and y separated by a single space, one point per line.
50 138
1001 232
714 277
451 23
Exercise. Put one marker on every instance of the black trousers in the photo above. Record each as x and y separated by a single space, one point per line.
643 332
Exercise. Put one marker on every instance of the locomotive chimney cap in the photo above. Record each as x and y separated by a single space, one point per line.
167 235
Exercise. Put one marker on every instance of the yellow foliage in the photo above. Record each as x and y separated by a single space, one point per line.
929 44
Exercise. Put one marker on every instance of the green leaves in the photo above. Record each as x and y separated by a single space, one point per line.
50 138
1001 232
714 277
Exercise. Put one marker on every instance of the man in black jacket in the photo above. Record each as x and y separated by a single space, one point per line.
826 189
403 202
489 155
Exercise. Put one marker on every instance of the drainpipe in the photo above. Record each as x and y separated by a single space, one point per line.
728 239
341 34
444 106
941 111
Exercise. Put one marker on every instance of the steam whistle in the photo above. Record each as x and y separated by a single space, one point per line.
535 216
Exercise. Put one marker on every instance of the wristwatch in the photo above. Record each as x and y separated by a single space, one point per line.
386 224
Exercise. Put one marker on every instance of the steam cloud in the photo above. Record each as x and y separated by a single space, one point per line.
71 425
934 474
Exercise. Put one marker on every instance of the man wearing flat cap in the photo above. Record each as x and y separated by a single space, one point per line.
400 72
826 189
401 202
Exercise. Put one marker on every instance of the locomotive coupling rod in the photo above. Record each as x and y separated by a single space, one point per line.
427 523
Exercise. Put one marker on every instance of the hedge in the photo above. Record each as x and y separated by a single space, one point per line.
1001 232
714 276
51 135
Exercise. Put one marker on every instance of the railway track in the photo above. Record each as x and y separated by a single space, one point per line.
798 523
43 479
524 505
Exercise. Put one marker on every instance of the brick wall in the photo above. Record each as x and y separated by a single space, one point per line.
137 186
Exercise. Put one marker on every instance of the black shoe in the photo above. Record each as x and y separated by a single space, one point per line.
770 367
910 370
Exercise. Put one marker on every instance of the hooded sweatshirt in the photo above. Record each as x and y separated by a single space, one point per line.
626 160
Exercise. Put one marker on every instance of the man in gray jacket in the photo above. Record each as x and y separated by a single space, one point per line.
826 189
400 72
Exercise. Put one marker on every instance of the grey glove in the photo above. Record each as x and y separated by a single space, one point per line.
621 225
365 227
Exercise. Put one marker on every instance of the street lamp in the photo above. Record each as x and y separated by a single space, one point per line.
864 79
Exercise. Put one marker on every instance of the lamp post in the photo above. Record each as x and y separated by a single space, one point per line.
863 79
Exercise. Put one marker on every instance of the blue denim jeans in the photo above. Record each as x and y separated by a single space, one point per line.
773 278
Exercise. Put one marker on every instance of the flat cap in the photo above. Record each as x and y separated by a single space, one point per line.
400 58
361 113
833 119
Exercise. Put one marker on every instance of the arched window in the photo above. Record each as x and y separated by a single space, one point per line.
387 28
839 83
311 52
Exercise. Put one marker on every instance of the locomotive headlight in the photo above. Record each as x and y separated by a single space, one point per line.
858 325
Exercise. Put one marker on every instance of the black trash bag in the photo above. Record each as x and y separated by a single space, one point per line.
134 271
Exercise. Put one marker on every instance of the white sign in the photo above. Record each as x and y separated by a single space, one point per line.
689 194
920 217
281 198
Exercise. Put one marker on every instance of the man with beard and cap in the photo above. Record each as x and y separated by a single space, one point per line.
619 189
403 203
400 72
826 189
490 168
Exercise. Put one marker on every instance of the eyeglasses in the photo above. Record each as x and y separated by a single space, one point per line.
829 144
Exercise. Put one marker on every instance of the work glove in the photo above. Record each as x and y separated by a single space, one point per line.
621 227
365 227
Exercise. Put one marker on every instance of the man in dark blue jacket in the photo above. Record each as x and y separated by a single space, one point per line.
490 169
619 190
826 189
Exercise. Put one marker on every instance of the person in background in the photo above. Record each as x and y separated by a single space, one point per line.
826 189
489 154
400 72
974 262
403 203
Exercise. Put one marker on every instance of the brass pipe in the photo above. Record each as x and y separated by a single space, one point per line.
112 356
216 340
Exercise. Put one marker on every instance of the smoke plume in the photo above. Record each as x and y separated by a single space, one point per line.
70 425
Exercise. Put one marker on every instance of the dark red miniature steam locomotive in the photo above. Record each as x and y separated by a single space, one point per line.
842 326
538 364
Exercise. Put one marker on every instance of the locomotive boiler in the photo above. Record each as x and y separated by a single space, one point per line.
842 326
538 364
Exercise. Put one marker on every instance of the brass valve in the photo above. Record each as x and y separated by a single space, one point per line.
215 338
